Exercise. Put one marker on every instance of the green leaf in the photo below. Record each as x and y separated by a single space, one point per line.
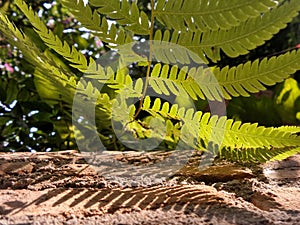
207 14
287 99
125 13
12 90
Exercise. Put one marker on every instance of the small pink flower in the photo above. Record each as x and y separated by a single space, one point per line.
9 68
67 21
297 46
98 42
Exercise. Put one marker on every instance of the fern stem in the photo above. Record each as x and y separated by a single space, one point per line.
149 62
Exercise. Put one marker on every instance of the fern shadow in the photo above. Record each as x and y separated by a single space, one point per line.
199 200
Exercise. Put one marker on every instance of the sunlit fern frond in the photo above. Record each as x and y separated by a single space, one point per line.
221 130
43 64
20 40
238 40
4 8
228 82
53 83
290 129
208 15
71 54
196 82
126 13
252 77
253 32
257 154
98 24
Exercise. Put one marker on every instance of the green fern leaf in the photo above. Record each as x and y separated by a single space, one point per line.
290 129
237 40
20 40
4 8
253 136
125 13
254 32
252 76
216 83
70 53
93 21
257 154
194 82
208 15
61 86
286 153
226 131
204 27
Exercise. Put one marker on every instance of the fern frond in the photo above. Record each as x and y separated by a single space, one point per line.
126 87
217 83
4 8
252 76
252 33
290 129
187 40
93 21
166 50
41 61
285 154
257 154
238 40
19 39
125 13
196 82
120 80
208 15
71 54
253 136
222 130
57 84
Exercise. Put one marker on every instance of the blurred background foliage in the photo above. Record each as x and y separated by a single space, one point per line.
28 122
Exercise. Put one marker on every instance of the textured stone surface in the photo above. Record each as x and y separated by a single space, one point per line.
60 188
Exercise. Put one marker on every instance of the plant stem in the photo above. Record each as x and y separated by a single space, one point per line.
149 62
